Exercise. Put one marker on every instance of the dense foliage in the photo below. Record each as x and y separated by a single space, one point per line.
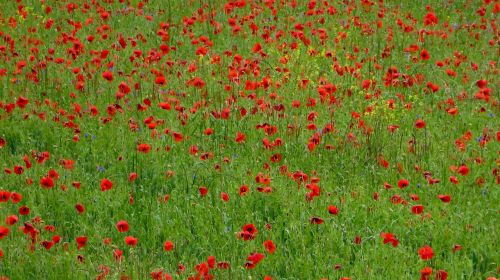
249 139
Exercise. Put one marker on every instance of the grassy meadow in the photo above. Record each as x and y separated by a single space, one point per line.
249 139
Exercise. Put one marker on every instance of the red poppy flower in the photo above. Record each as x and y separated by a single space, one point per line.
202 268
76 184
419 124
357 239
143 148
47 182
433 87
81 241
316 221
276 158
67 163
389 238
424 55
208 131
5 196
463 170
452 111
118 255
383 162
425 273
444 198
22 102
168 246
47 244
160 80
165 105
441 275
80 208
131 241
24 210
333 210
315 191
11 220
224 196
56 238
244 190
417 209
132 176
108 76
253 260
248 232
240 137
426 253
3 232
203 191
481 83
454 180
177 136
124 88
430 19
250 228
106 185
223 265
456 247
18 170
403 183
270 247
198 82
211 261
53 174
15 197
122 226
193 150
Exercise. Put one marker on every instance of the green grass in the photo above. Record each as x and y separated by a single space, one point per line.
346 160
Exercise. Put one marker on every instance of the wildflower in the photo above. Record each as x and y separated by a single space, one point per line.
426 253
270 247
168 246
106 185
389 238
81 241
122 226
419 124
131 241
